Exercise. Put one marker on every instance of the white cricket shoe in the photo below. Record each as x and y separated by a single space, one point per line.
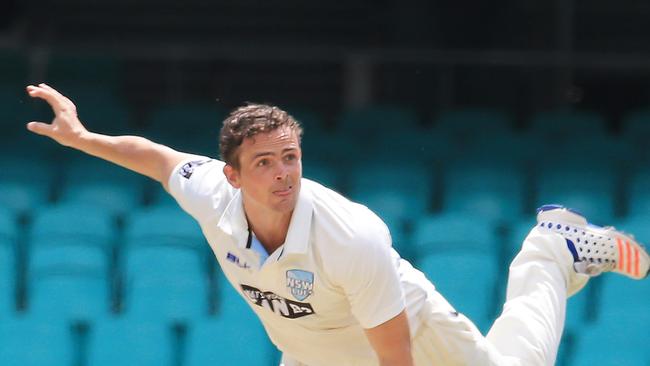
595 249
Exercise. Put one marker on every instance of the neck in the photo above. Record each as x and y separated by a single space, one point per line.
269 228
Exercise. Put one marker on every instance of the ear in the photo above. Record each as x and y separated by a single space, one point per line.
232 175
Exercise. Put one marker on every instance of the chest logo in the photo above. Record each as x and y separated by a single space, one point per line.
301 283
234 259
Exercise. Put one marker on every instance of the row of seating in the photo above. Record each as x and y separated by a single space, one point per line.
94 102
159 265
234 337
400 192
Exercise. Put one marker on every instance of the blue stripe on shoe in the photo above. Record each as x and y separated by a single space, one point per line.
573 250
549 207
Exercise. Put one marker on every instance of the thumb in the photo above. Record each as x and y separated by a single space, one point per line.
40 128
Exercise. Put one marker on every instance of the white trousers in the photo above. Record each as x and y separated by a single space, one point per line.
529 329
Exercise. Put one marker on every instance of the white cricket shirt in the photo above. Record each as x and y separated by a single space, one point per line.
335 275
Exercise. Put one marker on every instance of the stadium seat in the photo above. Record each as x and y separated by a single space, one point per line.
164 265
189 127
323 173
103 185
589 187
392 205
453 232
504 148
67 71
70 250
408 178
236 329
636 132
565 125
30 341
400 145
638 192
159 197
467 280
491 189
131 341
459 254
338 149
311 122
618 339
117 197
364 124
472 124
100 108
8 234
24 183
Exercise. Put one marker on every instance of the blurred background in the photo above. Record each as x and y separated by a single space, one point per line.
453 120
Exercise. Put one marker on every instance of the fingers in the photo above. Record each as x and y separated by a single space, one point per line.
51 96
40 128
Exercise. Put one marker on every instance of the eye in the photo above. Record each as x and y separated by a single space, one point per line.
263 162
290 157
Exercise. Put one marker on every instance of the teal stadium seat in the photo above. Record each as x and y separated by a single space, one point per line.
338 149
131 342
505 148
164 265
103 185
458 253
635 130
66 70
8 235
30 341
472 124
189 127
618 339
235 336
24 183
412 178
586 186
365 124
100 108
311 122
563 125
69 273
485 188
404 145
324 173
638 192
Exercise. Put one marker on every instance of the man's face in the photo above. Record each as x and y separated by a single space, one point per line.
269 170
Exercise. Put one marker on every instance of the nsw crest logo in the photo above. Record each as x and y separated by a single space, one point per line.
301 283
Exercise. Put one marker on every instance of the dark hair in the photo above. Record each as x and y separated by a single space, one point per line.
248 121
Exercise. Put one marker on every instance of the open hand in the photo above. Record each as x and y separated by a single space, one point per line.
65 128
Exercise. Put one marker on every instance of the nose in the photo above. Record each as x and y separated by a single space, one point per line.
282 173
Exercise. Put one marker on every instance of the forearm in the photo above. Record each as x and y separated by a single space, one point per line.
132 152
392 342
404 360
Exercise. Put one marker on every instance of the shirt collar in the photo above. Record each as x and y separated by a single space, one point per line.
233 221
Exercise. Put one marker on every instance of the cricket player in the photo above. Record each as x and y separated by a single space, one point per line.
319 270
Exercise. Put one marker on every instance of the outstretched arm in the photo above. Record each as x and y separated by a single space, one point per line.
132 152
392 341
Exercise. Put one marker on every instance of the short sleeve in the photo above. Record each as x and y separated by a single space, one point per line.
370 278
198 184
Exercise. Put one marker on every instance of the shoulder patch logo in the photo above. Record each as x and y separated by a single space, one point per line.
188 168
301 283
